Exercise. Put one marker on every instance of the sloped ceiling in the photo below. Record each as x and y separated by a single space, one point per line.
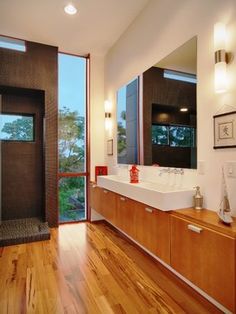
94 29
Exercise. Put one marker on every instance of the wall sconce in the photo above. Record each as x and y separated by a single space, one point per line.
221 58
108 122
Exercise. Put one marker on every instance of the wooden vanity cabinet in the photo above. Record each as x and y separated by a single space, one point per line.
108 205
193 243
206 257
125 215
148 226
153 230
95 197
104 202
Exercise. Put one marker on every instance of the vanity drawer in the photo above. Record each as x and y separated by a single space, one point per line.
95 197
108 205
125 215
153 230
206 258
103 201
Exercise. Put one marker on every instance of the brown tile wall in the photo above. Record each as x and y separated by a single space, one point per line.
37 68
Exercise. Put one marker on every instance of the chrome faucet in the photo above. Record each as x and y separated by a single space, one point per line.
179 171
164 170
174 170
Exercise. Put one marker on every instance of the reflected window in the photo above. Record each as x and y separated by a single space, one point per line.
180 76
181 136
160 134
173 135
127 125
16 127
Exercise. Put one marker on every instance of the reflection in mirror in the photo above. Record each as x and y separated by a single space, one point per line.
127 123
169 109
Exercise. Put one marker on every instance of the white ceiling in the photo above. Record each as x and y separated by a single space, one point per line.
183 59
94 29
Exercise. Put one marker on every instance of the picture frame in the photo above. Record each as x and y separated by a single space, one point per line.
110 147
225 130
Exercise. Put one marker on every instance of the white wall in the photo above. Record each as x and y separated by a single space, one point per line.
163 26
96 113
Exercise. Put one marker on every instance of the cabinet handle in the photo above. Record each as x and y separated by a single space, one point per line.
94 186
149 210
122 199
194 228
105 191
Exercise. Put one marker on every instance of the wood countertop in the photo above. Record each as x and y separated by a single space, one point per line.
208 219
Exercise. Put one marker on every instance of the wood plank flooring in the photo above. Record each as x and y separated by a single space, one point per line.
88 268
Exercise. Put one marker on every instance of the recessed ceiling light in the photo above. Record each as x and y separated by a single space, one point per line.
184 109
70 9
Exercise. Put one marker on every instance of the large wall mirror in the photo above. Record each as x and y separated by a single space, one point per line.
169 108
127 123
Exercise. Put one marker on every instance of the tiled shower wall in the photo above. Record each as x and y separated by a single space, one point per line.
37 69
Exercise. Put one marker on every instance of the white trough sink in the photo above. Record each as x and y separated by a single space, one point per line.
157 195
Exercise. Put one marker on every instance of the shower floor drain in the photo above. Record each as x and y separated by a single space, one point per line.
23 230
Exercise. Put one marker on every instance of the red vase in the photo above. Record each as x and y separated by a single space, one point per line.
134 174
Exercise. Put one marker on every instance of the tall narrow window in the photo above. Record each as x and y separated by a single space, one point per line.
72 138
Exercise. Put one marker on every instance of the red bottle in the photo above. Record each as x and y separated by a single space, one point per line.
134 173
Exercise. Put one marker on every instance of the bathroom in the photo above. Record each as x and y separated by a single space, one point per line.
149 31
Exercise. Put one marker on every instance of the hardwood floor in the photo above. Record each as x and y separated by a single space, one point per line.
89 268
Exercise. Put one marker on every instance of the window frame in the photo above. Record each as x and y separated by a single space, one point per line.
169 125
180 76
20 115
86 173
12 40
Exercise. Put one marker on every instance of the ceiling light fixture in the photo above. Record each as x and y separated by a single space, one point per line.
183 109
70 9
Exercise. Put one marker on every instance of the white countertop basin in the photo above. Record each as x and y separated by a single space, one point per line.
162 196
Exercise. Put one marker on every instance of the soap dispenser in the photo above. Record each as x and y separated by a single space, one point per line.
197 199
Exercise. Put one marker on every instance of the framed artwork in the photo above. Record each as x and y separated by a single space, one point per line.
225 130
110 147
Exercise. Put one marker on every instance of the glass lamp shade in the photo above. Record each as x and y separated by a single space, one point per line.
220 77
107 106
219 36
108 123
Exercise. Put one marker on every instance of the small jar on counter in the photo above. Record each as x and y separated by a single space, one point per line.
134 174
